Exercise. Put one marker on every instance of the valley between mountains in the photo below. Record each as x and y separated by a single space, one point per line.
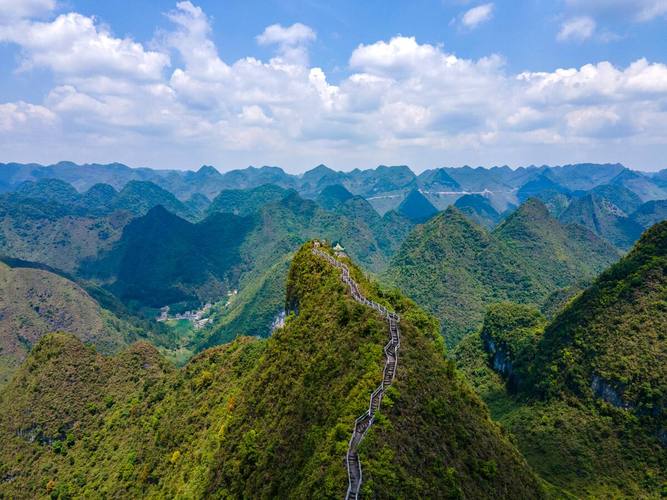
461 333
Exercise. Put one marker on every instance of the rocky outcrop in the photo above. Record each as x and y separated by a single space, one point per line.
607 392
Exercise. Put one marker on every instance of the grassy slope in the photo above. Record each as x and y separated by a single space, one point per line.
35 302
455 268
432 413
257 418
614 330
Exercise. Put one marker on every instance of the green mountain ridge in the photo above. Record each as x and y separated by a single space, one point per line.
162 259
416 207
245 201
455 268
49 222
479 209
598 212
583 394
35 302
384 186
258 418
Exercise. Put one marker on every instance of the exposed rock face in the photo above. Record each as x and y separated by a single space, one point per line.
662 437
501 361
604 390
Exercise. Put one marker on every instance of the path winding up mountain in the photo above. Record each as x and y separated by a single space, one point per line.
364 422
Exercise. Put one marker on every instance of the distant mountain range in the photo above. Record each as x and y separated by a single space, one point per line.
384 187
156 238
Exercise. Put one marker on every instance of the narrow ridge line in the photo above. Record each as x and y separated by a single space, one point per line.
364 421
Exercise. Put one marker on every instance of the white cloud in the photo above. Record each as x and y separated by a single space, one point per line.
293 35
404 101
400 54
73 44
477 15
291 41
17 9
254 115
638 10
577 28
593 121
16 117
595 83
192 40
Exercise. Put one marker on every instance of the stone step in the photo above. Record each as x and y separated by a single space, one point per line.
362 424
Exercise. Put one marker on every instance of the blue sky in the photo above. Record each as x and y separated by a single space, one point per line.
350 84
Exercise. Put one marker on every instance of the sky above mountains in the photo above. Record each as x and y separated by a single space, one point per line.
297 83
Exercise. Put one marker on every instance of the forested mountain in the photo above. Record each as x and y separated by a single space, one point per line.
258 418
416 208
540 184
584 394
333 196
121 244
650 213
615 213
34 302
198 204
643 186
245 201
51 233
384 187
603 217
299 289
625 349
49 222
556 254
478 208
162 259
455 268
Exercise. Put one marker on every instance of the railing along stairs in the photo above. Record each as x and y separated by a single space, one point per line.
364 421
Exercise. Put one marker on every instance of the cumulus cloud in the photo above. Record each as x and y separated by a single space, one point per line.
73 44
576 28
293 35
191 39
291 41
402 100
23 116
17 9
477 15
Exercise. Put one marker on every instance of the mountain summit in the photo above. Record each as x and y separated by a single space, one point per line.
455 268
416 207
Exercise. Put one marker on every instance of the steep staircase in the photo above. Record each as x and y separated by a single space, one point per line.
363 422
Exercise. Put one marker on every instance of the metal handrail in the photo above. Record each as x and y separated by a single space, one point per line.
393 320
